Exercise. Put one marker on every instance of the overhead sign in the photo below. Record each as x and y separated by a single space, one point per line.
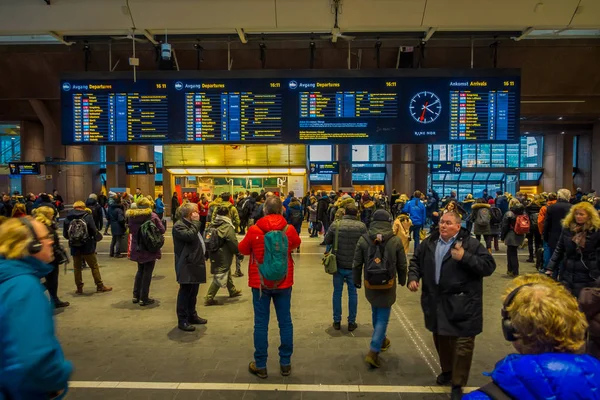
324 167
139 168
24 168
305 107
445 167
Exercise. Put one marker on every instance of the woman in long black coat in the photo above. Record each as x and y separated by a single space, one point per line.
174 205
579 248
190 265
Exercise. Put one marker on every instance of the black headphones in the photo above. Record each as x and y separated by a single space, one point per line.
35 246
508 329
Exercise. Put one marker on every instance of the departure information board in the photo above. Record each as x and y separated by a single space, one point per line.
139 168
445 167
24 168
311 107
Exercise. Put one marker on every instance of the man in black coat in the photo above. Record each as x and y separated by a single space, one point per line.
553 223
451 265
190 266
322 207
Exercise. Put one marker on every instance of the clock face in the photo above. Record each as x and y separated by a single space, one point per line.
425 107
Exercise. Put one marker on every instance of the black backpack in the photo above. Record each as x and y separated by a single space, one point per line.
296 216
533 218
379 271
496 215
78 232
149 237
212 241
241 209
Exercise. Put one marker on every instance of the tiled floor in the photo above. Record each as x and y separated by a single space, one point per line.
109 339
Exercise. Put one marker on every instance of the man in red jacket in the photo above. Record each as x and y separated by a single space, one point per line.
263 291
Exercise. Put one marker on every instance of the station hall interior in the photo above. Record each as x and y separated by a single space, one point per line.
537 129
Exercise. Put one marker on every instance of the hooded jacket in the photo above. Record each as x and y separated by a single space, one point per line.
89 247
233 212
190 262
480 229
322 207
32 363
116 218
508 234
253 245
350 231
220 261
401 229
393 251
416 210
135 219
368 209
454 306
293 205
502 203
545 376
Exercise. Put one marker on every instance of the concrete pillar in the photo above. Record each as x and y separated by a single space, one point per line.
566 168
81 180
407 171
596 160
344 157
144 182
115 173
392 175
421 168
168 189
552 157
32 149
583 179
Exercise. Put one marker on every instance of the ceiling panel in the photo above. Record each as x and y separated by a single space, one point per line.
379 15
307 15
588 15
504 14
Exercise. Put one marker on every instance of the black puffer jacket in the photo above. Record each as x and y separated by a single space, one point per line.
97 215
350 230
89 247
508 234
454 307
581 267
322 207
553 222
190 261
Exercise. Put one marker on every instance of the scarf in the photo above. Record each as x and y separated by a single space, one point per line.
579 234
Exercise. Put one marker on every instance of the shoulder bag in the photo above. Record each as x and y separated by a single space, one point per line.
329 260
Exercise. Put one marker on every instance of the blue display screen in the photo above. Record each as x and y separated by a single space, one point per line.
24 168
139 168
324 107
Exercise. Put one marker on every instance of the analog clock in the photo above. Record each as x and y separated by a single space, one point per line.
425 107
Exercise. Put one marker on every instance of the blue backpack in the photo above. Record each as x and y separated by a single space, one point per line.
275 263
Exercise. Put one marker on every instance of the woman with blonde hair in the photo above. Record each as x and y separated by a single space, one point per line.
19 210
578 248
45 215
543 322
32 363
401 228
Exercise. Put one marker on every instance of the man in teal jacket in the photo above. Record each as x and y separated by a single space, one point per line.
32 364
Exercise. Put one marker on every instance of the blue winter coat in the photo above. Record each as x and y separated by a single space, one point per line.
32 364
546 376
416 210
160 206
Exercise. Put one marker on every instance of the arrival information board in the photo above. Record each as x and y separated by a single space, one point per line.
294 107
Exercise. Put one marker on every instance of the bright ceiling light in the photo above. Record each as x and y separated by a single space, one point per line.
219 171
237 171
178 171
298 171
279 170
258 171
560 118
197 171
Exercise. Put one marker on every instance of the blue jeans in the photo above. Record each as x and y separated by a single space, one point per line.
341 276
416 230
547 254
282 299
381 317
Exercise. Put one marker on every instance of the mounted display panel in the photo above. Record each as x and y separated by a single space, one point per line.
24 168
302 107
139 168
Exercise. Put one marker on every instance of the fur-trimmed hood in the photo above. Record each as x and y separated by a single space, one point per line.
477 206
138 212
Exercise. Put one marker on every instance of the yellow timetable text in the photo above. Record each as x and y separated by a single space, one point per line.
479 83
213 86
390 84
161 85
275 84
328 84
100 87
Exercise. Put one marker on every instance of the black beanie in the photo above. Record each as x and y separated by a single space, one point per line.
382 215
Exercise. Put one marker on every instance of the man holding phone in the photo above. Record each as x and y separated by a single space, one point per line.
451 265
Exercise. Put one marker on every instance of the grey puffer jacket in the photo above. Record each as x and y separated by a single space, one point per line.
394 251
481 229
508 234
350 231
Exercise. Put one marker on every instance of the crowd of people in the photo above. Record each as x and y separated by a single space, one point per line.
551 318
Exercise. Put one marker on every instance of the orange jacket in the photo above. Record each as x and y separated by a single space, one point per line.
542 216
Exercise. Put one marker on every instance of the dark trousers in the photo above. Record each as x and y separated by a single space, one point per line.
186 301
487 239
456 354
202 223
243 225
141 284
52 283
512 258
115 245
534 236
495 237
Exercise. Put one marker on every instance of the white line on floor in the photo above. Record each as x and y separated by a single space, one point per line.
262 387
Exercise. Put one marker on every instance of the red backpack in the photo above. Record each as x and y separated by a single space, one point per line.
522 225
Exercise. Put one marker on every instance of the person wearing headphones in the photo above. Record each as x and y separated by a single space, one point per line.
451 265
32 364
543 322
